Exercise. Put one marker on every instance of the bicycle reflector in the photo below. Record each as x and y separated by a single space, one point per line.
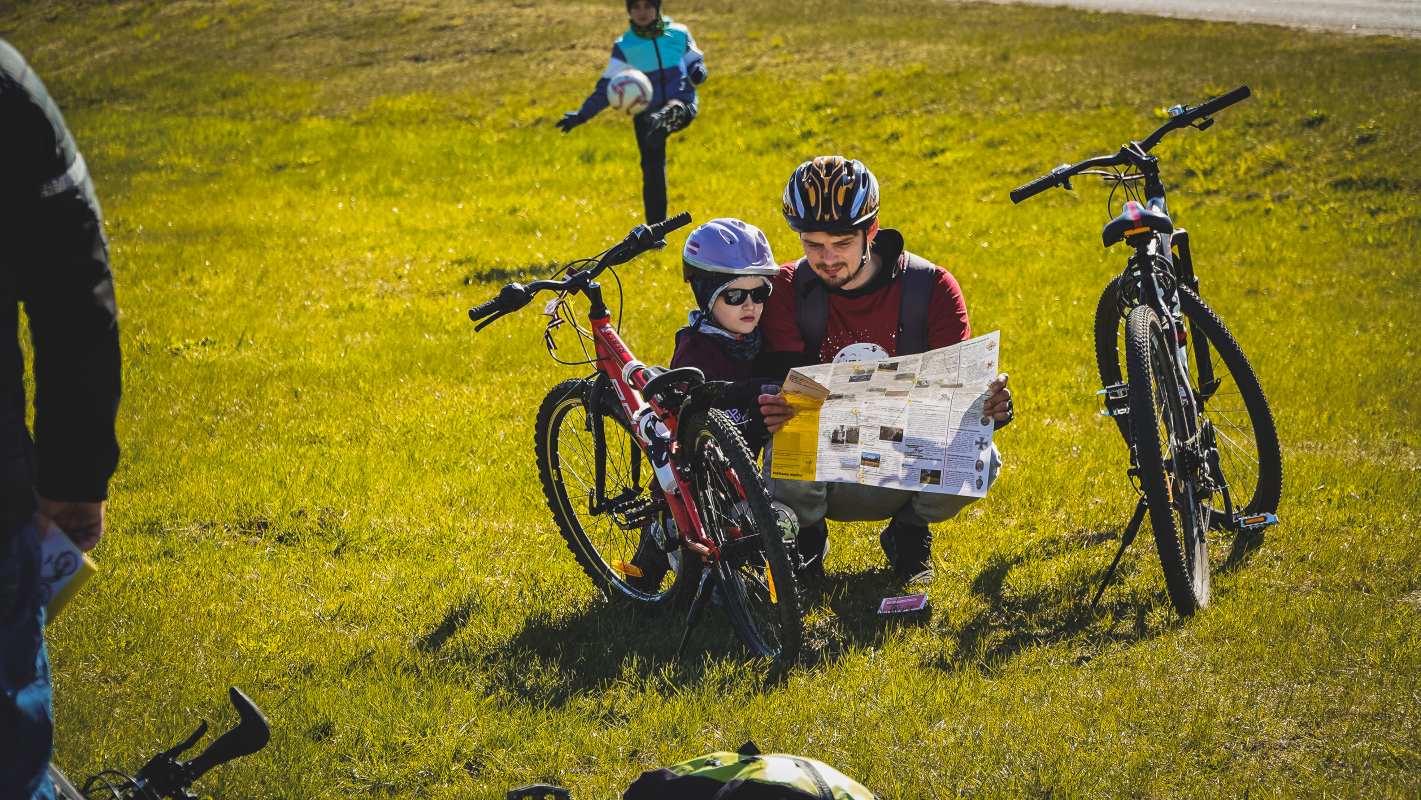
1253 522
630 570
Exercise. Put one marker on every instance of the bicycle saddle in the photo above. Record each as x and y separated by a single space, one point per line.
664 381
1135 218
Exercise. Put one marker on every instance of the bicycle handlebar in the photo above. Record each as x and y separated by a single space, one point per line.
249 736
165 776
515 296
1188 116
1192 115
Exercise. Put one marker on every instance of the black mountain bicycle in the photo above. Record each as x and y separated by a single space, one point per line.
164 776
1202 441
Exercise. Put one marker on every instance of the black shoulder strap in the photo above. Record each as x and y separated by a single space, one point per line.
825 793
919 275
811 308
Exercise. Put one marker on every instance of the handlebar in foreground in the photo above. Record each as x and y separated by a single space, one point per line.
165 776
250 735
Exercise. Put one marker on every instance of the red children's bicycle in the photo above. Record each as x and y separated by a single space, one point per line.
653 489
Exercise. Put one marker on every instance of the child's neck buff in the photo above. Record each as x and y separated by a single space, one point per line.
651 31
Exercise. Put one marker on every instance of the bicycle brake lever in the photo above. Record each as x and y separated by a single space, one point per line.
491 320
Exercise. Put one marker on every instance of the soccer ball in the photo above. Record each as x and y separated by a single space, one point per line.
630 91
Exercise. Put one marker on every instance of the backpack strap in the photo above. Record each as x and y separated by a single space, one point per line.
919 275
825 793
811 308
812 305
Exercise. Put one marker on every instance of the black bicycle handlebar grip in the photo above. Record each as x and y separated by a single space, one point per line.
1034 188
660 229
1222 102
491 307
250 735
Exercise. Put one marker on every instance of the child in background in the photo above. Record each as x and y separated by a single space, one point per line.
729 265
665 51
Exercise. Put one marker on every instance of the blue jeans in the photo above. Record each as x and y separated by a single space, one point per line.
26 717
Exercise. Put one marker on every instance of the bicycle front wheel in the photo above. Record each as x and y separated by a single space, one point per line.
760 596
1226 390
612 537
1160 434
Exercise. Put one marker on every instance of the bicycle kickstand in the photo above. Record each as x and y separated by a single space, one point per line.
698 607
1125 540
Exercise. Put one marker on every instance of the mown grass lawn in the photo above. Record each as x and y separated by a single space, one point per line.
327 495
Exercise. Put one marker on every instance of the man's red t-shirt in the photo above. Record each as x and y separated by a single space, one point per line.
868 315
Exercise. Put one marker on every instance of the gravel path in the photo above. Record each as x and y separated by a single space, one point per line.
1364 17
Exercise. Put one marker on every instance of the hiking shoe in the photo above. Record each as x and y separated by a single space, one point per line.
909 549
922 580
652 560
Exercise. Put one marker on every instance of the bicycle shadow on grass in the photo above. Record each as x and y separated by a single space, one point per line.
556 657
1013 601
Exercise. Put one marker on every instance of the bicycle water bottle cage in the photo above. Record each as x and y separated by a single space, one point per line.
1135 219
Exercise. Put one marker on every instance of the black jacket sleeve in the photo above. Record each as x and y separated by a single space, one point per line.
776 366
53 248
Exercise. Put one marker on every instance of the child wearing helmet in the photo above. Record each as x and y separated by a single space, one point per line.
667 54
729 265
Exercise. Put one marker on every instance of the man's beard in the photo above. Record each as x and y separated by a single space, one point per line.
845 275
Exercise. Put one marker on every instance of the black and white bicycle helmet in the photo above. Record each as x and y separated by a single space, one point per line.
831 193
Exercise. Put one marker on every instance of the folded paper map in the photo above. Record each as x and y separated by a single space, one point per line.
910 422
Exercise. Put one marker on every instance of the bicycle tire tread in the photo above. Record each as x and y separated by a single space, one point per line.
715 423
1144 430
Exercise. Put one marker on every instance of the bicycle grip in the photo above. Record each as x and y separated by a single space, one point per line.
250 735
1222 102
660 229
1034 188
487 309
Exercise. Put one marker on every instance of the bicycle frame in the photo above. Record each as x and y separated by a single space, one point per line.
655 428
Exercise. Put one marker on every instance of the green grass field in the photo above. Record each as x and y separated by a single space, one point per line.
328 497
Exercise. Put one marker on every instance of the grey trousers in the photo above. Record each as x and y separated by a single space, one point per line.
812 501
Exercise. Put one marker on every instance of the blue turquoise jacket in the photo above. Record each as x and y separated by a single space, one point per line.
671 60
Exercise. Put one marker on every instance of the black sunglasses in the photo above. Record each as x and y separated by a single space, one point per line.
736 297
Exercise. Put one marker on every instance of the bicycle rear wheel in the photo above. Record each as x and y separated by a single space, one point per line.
1250 461
1160 433
758 581
1232 400
616 545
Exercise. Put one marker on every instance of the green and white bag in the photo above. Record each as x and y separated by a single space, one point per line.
747 775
